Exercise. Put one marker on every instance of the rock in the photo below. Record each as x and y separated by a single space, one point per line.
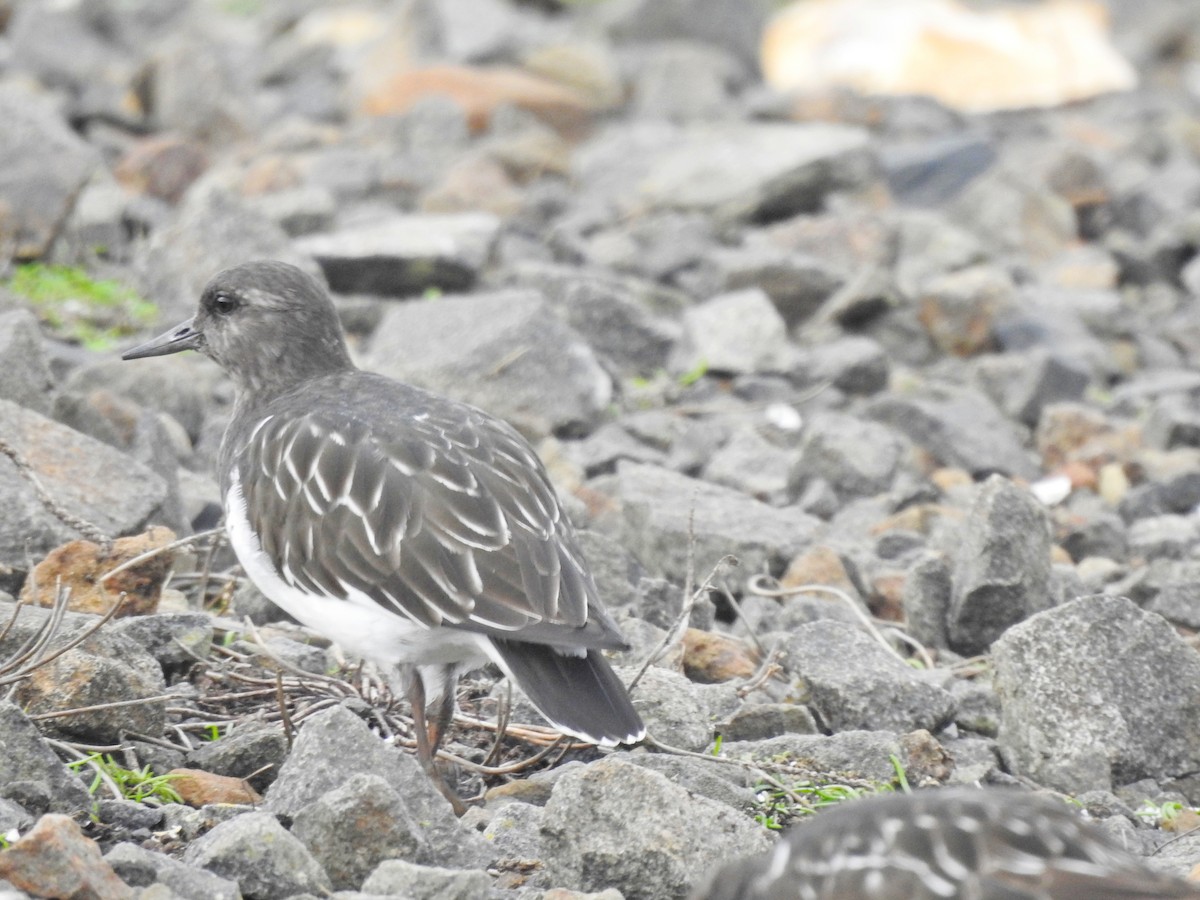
249 748
298 211
333 746
1159 537
1138 677
43 166
176 640
975 60
767 720
656 506
92 480
397 878
661 245
1023 384
56 860
958 308
681 81
265 860
162 166
750 463
733 26
140 868
353 828
796 282
505 353
926 600
855 754
732 786
26 759
758 173
107 668
856 365
80 567
675 711
589 848
856 458
25 377
710 657
1002 566
880 692
199 788
733 334
959 426
200 85
515 830
405 255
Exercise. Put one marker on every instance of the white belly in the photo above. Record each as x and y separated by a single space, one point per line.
358 624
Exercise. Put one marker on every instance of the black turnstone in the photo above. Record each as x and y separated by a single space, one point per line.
413 530
975 844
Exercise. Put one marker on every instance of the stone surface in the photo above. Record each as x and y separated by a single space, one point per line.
734 334
140 868
589 848
1096 694
54 859
25 377
398 878
258 853
27 760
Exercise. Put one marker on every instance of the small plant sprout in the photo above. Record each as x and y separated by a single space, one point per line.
694 374
138 785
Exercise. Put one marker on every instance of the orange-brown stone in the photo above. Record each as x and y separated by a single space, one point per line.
711 658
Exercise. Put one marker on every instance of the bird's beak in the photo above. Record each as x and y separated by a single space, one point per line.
183 336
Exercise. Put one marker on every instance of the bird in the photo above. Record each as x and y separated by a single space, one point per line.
413 530
942 843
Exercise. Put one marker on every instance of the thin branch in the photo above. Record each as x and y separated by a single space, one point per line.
68 518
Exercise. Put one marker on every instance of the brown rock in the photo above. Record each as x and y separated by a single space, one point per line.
199 788
959 309
711 658
818 565
480 91
887 596
55 860
926 762
163 166
80 566
476 183
534 792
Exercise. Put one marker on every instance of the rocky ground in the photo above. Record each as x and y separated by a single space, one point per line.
942 367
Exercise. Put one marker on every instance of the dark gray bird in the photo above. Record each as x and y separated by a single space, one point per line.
413 530
966 844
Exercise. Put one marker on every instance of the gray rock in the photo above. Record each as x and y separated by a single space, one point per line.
662 245
43 165
397 878
734 334
657 505
249 748
730 785
25 376
797 283
760 721
202 84
858 754
352 828
1178 597
140 868
675 710
506 353
856 365
857 458
89 478
1096 694
298 211
106 668
682 81
515 831
176 640
976 760
755 172
878 692
1102 534
405 255
1023 384
14 816
334 745
622 319
211 231
734 26
1162 537
959 426
258 853
766 616
1001 566
589 845
1173 422
750 463
26 758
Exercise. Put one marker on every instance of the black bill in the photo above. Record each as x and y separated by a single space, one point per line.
181 337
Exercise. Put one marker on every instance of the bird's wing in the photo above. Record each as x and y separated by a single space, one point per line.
448 519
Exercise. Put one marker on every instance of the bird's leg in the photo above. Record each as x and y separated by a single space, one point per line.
426 748
445 713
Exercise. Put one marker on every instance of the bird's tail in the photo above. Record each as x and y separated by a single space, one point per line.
579 695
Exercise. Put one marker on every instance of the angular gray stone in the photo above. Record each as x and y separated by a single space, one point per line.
25 376
140 868
675 710
656 506
861 754
1163 537
756 172
682 81
959 426
734 334
730 785
1001 566
266 861
734 25
26 758
1096 694
89 478
249 748
334 745
515 831
398 878
591 846
926 600
797 283
1023 384
404 255
760 721
854 364
856 457
879 692
176 640
352 828
506 353
750 463
43 166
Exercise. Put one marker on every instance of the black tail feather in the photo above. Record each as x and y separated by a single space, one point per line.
579 695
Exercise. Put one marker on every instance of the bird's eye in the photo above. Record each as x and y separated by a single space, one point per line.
223 304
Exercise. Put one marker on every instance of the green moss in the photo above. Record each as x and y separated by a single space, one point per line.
96 313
